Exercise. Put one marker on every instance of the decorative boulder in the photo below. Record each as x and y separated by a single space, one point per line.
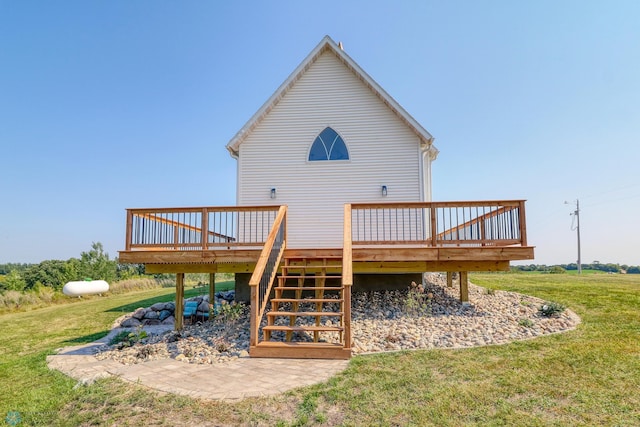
151 315
204 306
132 322
159 306
228 296
139 313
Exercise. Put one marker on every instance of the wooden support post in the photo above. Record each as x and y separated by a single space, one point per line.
434 226
319 293
449 279
523 224
179 300
212 288
464 287
346 295
129 230
255 325
204 233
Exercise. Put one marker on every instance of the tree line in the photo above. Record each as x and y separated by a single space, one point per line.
94 264
595 265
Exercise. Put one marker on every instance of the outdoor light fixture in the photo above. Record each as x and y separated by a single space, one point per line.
273 193
384 191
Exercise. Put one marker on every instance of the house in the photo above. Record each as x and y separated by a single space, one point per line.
333 191
330 135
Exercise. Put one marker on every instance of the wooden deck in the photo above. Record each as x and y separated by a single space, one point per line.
365 260
386 238
378 238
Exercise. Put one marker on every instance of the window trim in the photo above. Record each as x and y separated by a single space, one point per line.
346 146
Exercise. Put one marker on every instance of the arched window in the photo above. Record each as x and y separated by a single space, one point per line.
328 146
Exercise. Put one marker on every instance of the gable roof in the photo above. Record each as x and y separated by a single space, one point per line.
426 140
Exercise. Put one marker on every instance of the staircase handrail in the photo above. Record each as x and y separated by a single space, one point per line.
265 271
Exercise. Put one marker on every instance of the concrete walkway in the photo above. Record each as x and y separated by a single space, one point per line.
232 381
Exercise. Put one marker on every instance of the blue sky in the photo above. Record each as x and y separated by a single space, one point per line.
106 105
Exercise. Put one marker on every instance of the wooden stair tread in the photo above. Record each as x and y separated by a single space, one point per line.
315 257
303 313
307 300
311 266
310 277
309 288
310 329
300 350
299 344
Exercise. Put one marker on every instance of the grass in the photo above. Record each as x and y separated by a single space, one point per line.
12 301
572 272
28 337
589 376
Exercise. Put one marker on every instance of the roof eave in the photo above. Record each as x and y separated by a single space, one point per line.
327 43
234 143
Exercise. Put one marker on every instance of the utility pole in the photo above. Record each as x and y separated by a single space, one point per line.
576 215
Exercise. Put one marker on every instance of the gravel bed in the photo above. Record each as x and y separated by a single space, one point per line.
381 321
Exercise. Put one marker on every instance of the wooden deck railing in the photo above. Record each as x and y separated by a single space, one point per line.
264 274
466 224
199 228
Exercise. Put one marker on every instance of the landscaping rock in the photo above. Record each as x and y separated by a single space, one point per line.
381 321
164 314
151 314
131 322
139 313
159 306
228 296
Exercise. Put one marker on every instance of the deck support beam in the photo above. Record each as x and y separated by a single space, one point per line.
212 288
449 279
464 286
179 300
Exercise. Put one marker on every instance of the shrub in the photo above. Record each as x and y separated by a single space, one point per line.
551 309
225 312
128 338
527 323
10 299
417 302
13 281
46 295
133 284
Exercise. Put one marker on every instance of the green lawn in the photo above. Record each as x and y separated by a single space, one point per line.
590 376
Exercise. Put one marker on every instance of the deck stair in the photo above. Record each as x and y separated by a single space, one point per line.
306 316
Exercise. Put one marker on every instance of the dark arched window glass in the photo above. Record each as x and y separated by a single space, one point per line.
328 146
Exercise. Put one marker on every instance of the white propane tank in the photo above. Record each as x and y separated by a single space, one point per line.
85 287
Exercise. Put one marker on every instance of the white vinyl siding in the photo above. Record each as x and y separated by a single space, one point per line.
382 151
